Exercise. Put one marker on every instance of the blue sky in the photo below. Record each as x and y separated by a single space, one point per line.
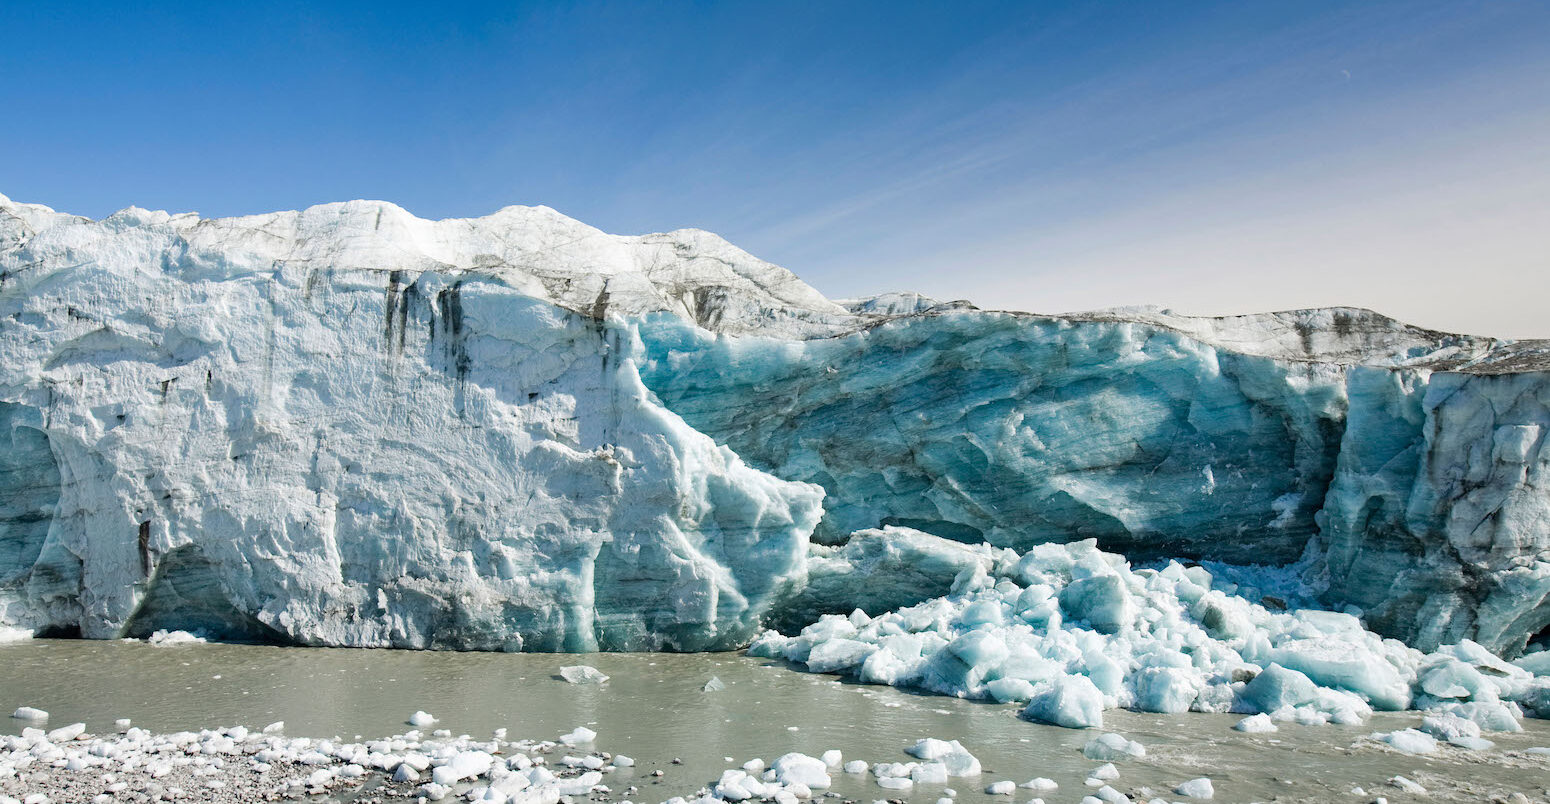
1209 157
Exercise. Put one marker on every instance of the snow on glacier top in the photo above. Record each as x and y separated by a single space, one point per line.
544 254
699 276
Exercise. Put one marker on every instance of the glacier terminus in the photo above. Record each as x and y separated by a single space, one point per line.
349 426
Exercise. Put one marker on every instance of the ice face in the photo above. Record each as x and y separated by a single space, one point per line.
1415 460
238 428
351 426
1436 522
1018 431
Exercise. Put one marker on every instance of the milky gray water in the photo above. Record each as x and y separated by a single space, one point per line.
653 709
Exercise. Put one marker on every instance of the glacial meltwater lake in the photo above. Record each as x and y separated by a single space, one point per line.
653 709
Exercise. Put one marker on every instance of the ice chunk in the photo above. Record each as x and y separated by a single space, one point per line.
929 773
28 713
1110 746
1069 701
1040 784
1256 724
1278 687
420 720
581 735
1102 601
1170 690
838 654
713 685
582 674
856 766
1410 741
795 768
1200 788
1489 715
166 637
1345 666
832 758
1449 727
1006 787
65 734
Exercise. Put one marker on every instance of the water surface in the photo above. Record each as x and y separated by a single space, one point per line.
654 710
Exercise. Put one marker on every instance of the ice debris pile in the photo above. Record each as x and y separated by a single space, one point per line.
798 777
1073 631
351 426
206 764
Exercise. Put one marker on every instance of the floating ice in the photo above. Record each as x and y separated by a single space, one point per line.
581 735
165 637
713 685
1409 741
1006 787
1256 724
1105 772
582 674
1200 788
29 713
1070 701
801 769
950 753
420 720
1113 746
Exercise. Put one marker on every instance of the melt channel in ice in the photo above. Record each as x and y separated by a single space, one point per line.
1073 631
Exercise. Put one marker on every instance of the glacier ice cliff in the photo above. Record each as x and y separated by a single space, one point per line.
1414 462
351 426
314 428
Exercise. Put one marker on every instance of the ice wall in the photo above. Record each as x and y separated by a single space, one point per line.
1438 520
1261 441
1017 430
348 425
207 427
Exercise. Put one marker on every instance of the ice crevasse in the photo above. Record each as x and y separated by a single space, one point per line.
351 426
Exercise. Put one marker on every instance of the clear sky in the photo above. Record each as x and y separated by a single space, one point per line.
1211 157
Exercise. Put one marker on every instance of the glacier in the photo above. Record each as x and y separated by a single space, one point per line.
352 426
253 429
